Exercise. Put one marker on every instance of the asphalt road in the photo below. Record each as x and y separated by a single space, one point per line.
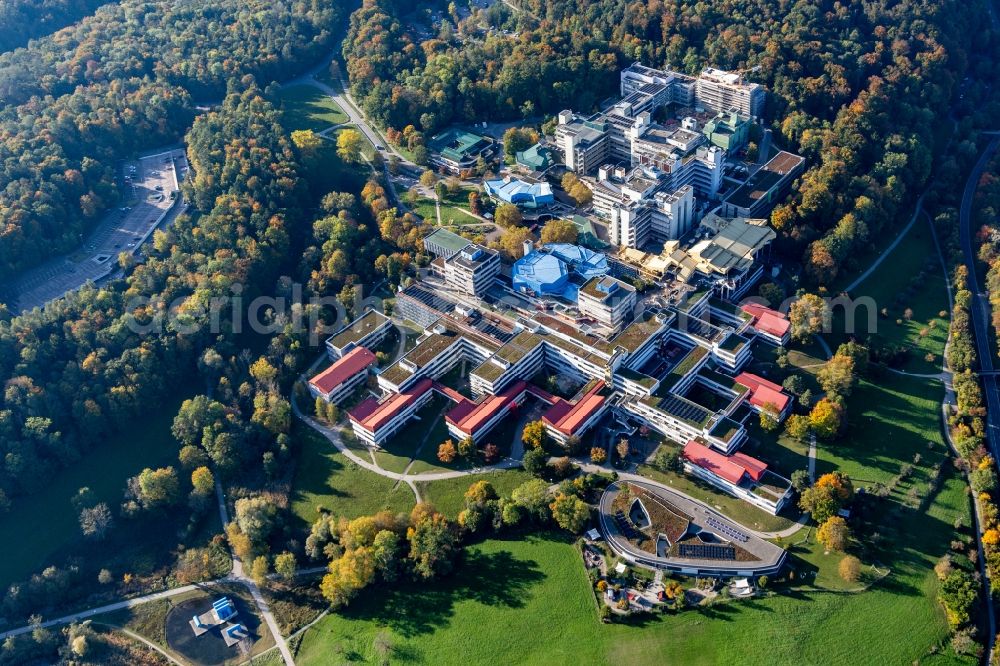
146 186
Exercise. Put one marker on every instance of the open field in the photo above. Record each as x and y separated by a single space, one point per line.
889 423
448 495
326 478
897 287
103 470
527 601
308 107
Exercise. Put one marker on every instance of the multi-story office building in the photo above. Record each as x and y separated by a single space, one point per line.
472 270
719 90
607 300
765 188
340 379
366 331
714 89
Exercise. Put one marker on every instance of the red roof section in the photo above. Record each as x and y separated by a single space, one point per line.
767 320
763 392
731 468
568 417
350 364
372 415
469 417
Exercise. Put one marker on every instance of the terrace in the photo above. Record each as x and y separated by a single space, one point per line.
681 369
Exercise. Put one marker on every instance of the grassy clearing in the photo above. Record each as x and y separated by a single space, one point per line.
104 470
453 207
742 512
326 478
307 107
527 601
897 286
448 495
889 423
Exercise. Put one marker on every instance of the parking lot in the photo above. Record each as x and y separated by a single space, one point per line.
149 187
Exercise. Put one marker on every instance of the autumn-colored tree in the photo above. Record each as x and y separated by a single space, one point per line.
508 216
834 533
622 448
598 455
447 452
837 376
769 417
202 481
797 427
559 231
570 512
533 435
480 492
349 145
850 569
840 483
259 569
808 315
466 447
826 418
285 565
512 241
307 142
348 574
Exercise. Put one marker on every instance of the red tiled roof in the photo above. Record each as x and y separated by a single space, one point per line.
469 417
731 468
372 417
755 468
763 392
767 320
568 417
353 362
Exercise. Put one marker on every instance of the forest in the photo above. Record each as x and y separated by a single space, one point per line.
21 20
122 80
860 89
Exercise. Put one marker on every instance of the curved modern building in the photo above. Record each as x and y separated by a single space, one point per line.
548 271
519 192
654 527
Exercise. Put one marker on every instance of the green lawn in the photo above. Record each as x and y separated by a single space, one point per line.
308 107
398 450
451 209
326 478
527 601
893 287
448 495
42 529
888 424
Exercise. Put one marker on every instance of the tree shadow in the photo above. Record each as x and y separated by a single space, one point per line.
494 579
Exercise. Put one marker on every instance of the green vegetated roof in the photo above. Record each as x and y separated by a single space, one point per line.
725 429
447 239
358 328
